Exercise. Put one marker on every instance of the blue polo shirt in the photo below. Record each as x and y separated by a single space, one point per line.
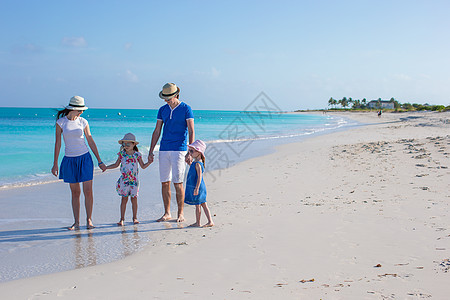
175 130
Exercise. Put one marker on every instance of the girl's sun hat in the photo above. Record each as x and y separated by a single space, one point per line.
169 91
76 103
129 137
200 146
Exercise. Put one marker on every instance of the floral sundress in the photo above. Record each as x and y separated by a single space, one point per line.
128 183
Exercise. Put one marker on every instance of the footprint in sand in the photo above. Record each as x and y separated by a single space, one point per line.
63 292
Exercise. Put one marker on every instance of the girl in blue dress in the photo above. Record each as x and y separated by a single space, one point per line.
195 193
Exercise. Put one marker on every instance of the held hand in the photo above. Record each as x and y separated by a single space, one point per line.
188 159
195 192
55 170
150 158
103 167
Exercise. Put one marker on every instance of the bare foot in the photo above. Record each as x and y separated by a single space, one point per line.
195 225
135 221
209 224
180 219
75 226
120 223
164 218
89 224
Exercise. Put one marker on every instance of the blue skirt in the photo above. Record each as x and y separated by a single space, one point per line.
77 169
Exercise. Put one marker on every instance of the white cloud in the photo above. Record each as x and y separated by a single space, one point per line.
128 46
75 42
403 77
130 76
215 72
27 48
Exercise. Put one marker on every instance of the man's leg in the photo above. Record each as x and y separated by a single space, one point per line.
165 174
179 168
180 200
165 191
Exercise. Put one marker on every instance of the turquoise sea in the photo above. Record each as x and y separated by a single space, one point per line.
27 134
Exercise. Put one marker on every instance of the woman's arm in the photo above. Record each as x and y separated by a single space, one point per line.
198 168
93 147
114 165
57 149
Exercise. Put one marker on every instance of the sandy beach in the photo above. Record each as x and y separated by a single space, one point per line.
357 214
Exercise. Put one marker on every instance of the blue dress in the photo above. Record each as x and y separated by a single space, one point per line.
191 182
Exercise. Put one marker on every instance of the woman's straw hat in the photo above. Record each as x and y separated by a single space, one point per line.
169 91
76 103
129 137
200 146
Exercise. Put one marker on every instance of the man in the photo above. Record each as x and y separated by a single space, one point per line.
176 121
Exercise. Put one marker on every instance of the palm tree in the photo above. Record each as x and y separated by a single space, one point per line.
331 101
344 102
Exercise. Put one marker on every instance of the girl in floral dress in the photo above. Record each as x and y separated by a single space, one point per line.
128 183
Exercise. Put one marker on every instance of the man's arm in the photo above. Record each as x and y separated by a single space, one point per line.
191 131
155 137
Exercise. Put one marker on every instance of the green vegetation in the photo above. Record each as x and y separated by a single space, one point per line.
351 104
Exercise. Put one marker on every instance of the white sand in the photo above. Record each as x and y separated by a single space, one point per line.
311 221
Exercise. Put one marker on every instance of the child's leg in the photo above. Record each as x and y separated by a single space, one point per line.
134 206
208 215
123 207
198 213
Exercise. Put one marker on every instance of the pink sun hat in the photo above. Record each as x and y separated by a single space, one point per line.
199 145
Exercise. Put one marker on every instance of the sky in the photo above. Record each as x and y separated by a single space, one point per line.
223 54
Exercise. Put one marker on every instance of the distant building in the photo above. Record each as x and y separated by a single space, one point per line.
375 104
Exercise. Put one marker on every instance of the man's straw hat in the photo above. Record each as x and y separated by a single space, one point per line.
169 91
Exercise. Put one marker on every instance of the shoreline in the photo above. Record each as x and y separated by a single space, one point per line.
38 174
329 208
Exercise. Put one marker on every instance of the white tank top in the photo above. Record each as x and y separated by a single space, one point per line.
73 134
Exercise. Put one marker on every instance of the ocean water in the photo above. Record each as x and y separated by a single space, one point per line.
36 209
27 134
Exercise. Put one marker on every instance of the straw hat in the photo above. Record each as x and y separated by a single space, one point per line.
129 137
169 91
200 146
76 103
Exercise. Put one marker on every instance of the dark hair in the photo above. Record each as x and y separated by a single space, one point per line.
135 148
62 113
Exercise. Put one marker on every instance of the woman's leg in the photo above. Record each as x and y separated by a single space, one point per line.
88 202
208 215
76 192
123 207
134 206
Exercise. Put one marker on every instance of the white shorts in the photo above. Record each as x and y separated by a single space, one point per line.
172 166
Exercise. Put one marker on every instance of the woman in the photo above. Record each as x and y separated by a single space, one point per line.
77 165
